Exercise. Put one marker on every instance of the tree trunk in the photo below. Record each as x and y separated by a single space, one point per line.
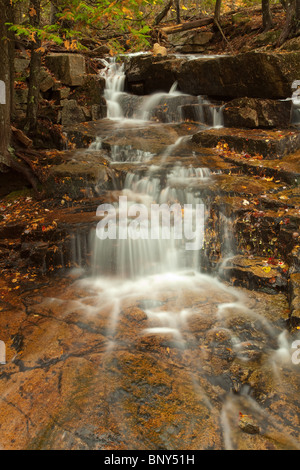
217 14
54 10
186 26
177 6
6 94
35 68
291 22
20 9
298 13
266 13
163 13
5 81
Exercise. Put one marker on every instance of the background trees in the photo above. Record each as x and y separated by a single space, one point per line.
6 76
74 23
35 67
292 24
266 14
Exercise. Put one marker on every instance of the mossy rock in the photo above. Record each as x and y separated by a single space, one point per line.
292 45
268 37
240 18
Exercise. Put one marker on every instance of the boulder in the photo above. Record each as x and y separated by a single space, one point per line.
90 166
62 93
131 104
81 171
240 18
46 80
100 51
21 64
247 425
154 73
159 50
169 109
99 111
72 113
191 41
267 37
292 45
91 90
69 68
253 74
255 112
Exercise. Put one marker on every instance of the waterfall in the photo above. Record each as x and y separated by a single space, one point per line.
170 101
209 114
170 149
160 106
295 118
115 82
145 253
126 153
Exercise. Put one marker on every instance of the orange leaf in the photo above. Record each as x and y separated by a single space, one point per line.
32 12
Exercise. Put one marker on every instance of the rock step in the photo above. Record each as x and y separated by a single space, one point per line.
294 298
268 275
268 144
286 169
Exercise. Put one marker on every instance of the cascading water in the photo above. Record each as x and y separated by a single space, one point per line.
144 254
208 113
115 79
151 350
160 277
161 106
295 118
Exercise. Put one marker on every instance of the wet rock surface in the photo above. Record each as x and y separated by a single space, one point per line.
270 144
170 361
74 381
253 113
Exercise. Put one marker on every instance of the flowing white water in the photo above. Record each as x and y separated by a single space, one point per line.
209 114
115 80
146 253
170 149
296 111
295 114
158 106
144 270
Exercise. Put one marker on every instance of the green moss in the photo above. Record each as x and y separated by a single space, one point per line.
26 192
240 18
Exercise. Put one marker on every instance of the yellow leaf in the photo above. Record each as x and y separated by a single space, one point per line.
267 269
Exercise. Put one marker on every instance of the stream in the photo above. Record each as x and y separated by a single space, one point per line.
152 348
